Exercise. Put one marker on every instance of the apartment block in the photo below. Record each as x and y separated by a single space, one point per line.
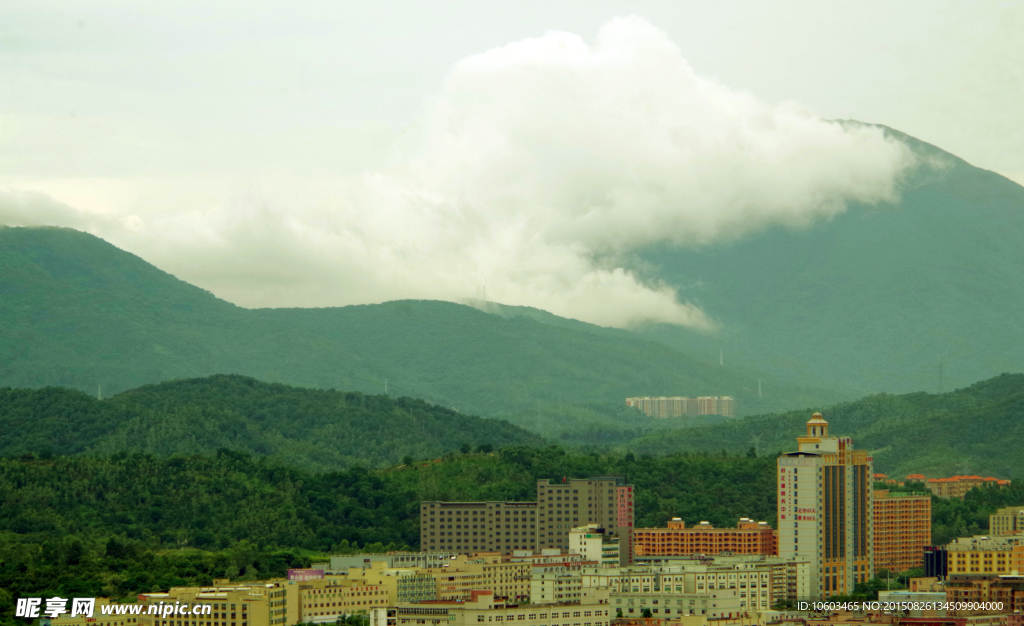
595 544
471 527
749 537
484 607
1005 589
508 580
505 527
697 588
341 564
825 509
903 527
98 617
982 555
958 486
329 598
562 585
663 407
256 604
1006 521
562 506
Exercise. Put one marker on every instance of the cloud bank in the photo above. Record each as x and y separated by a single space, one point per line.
536 170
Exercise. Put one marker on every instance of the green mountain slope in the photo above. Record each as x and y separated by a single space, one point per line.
975 430
314 429
77 312
922 295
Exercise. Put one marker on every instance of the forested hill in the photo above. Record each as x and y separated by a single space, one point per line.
126 524
315 429
77 312
975 430
910 296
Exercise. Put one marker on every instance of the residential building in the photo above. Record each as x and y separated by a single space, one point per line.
981 555
595 544
663 407
328 598
556 585
1006 521
825 509
903 527
755 583
484 607
958 486
508 580
504 527
604 501
227 604
992 588
471 527
749 537
98 618
882 478
341 564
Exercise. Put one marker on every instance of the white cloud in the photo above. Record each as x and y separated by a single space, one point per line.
537 168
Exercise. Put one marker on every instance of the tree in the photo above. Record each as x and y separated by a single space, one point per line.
645 612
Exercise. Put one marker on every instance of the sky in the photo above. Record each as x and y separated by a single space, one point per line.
324 153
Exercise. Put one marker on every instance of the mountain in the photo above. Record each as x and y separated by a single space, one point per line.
309 428
925 294
77 312
974 430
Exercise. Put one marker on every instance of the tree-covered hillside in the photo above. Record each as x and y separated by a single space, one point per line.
923 294
314 429
975 430
77 312
120 525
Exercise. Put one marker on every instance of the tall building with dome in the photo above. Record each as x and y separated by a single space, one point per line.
825 510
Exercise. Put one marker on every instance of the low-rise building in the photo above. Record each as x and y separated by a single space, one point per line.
662 407
457 581
985 555
958 486
749 537
225 604
1007 590
483 607
1006 521
105 613
471 527
595 543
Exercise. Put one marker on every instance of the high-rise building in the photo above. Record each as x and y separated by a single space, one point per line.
903 527
825 509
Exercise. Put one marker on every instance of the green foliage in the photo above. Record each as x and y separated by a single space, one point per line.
975 430
77 312
914 295
32 569
129 523
307 428
952 517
